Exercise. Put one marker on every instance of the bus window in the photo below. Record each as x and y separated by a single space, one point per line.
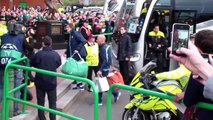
112 5
164 3
185 16
134 24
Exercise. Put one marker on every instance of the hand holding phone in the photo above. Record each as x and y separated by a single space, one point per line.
180 37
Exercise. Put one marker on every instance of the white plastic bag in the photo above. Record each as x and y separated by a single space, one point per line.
102 84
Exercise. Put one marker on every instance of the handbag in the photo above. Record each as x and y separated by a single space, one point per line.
102 84
74 67
113 77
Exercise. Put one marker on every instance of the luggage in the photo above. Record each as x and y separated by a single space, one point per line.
113 77
76 68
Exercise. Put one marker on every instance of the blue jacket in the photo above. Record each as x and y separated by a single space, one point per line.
16 40
76 42
46 59
105 57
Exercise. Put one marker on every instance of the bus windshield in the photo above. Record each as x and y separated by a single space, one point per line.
164 3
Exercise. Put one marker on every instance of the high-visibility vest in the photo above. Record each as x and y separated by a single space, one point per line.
87 30
3 29
92 57
159 33
180 74
144 10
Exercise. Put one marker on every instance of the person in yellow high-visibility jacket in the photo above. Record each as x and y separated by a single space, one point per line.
3 28
156 45
180 74
92 57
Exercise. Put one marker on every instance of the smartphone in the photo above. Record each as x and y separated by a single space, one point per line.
180 37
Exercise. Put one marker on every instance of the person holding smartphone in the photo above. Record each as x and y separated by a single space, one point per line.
194 90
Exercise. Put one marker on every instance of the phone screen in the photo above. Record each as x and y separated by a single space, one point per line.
180 37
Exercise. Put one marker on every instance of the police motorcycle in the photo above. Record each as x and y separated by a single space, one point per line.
145 107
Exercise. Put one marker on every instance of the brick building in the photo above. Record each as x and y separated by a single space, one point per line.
28 3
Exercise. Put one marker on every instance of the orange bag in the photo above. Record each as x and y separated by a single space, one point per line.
113 77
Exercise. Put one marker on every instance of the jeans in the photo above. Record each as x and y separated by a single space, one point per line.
17 81
18 76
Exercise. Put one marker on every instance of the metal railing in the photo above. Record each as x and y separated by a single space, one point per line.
144 91
7 92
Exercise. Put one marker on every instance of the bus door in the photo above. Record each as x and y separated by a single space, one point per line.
160 16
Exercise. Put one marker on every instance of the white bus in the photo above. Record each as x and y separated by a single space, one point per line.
137 14
112 6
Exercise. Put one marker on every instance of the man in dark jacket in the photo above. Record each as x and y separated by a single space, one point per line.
46 59
75 45
123 54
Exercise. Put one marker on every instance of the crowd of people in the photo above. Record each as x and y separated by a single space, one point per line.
30 16
82 29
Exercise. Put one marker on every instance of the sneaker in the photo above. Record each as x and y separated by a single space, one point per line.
74 82
89 90
78 87
75 88
117 98
100 104
31 85
17 113
81 87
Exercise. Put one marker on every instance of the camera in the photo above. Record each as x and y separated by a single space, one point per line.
15 28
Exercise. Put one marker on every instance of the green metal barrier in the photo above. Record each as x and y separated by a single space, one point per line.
7 97
144 91
104 34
